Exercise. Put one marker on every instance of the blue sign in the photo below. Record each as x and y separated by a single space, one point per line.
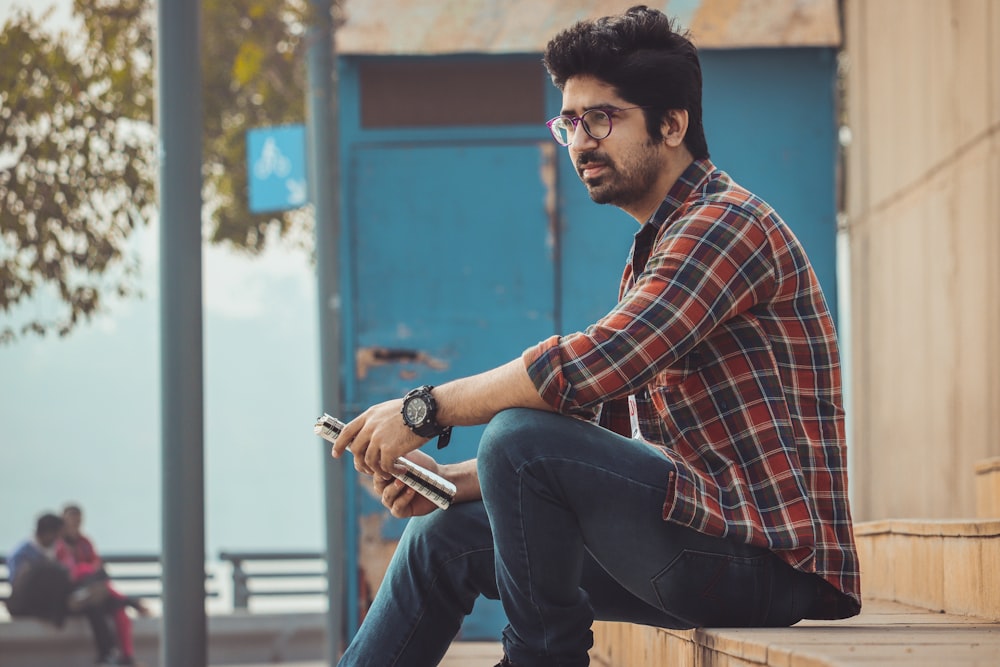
276 164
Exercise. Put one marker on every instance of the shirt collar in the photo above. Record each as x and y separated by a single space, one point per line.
690 178
48 552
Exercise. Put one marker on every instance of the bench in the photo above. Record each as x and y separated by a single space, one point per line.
253 574
134 574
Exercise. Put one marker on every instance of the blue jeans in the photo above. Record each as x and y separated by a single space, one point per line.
570 530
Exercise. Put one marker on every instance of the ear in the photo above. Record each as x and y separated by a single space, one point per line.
675 127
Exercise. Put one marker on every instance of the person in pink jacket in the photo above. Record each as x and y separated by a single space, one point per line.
77 553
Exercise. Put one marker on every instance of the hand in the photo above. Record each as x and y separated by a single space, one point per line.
402 501
377 437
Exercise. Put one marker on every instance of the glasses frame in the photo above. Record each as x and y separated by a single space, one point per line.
582 118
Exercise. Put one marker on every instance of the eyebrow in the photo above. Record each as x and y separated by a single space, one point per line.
606 106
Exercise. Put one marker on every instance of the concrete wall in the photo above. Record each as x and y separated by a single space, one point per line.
233 639
923 195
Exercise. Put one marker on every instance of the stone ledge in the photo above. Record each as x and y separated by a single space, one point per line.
950 566
930 527
885 632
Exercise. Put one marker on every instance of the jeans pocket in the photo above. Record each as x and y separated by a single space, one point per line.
715 590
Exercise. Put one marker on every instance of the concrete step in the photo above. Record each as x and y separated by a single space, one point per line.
461 654
886 633
988 489
947 566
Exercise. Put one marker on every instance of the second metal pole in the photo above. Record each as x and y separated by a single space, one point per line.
179 120
324 185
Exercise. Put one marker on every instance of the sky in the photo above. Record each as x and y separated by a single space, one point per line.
80 416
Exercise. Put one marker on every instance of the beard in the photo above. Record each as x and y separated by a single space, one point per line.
621 183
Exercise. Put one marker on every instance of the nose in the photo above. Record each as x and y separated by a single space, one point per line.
581 140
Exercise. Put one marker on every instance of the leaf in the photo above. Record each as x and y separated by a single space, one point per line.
78 172
248 62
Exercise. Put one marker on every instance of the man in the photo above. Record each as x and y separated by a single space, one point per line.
41 587
712 490
77 553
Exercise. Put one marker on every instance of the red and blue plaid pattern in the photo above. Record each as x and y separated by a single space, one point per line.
725 339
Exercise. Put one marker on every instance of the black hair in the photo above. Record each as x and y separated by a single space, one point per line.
48 523
645 57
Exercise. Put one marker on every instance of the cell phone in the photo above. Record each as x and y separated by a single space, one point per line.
432 486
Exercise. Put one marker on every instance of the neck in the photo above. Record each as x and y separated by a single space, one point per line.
674 166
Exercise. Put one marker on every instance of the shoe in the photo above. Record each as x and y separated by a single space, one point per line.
87 596
108 660
139 606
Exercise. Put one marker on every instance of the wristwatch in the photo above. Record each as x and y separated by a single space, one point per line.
420 414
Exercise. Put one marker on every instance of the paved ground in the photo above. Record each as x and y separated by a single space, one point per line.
462 654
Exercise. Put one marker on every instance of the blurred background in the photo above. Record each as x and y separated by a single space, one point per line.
80 413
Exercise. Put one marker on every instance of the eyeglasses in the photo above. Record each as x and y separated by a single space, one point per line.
596 123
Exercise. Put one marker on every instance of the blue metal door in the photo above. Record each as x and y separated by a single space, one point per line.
453 274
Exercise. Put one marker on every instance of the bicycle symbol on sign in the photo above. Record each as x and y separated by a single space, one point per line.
272 162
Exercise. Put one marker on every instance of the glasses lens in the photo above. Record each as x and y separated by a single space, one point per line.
562 129
597 123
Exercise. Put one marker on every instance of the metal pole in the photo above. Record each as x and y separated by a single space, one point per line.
324 184
179 109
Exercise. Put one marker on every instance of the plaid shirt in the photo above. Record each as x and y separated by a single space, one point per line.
725 340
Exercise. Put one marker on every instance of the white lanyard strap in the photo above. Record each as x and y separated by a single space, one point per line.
633 417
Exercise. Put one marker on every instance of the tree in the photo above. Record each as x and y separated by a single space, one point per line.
77 145
254 75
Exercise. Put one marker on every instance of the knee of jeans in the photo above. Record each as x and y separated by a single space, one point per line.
420 538
505 440
436 537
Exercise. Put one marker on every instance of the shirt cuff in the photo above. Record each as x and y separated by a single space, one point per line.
543 363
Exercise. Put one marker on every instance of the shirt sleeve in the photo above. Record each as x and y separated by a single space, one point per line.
706 268
14 561
25 553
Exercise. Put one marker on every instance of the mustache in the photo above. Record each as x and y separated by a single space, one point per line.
584 159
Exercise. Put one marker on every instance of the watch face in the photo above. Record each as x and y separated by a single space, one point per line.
415 411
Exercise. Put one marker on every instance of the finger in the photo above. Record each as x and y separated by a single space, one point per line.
359 465
379 482
388 462
339 446
372 458
359 448
347 435
402 507
391 491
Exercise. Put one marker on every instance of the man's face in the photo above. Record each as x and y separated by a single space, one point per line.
626 167
47 539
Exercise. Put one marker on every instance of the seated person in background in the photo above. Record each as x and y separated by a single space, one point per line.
41 586
76 552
